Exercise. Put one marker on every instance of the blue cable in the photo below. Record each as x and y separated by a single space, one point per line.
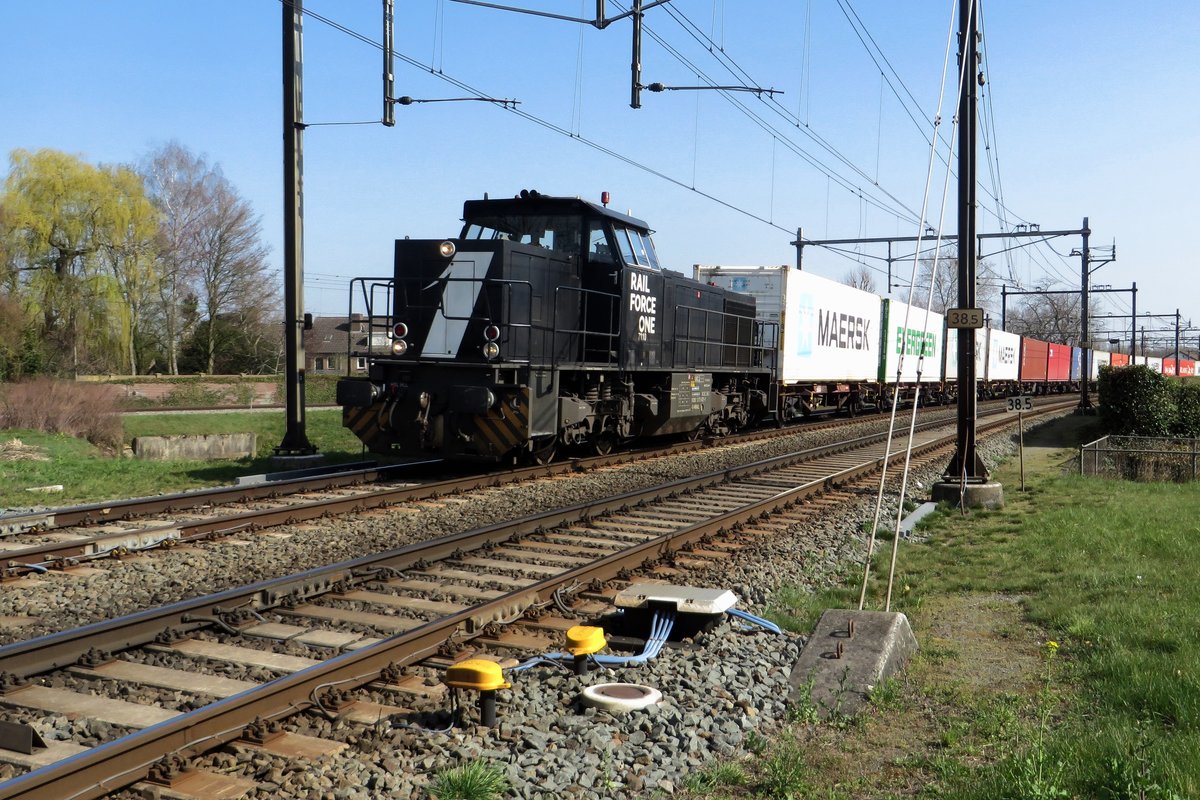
660 630
759 621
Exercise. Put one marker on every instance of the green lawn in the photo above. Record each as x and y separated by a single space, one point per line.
88 476
1060 655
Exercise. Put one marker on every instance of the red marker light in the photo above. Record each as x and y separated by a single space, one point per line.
604 198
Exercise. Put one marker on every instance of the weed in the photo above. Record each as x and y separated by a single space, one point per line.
715 775
885 694
1037 774
756 743
785 774
801 708
476 780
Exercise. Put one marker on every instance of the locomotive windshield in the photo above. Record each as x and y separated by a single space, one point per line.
561 233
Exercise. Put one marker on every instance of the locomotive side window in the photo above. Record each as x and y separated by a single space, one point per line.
636 248
648 246
599 249
622 236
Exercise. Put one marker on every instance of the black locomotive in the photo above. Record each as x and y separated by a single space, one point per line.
549 323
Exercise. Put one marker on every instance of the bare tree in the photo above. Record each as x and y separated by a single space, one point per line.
860 278
231 260
1049 317
942 271
179 184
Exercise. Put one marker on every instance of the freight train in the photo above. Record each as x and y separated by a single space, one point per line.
549 324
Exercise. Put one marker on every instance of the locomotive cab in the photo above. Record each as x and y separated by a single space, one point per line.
547 323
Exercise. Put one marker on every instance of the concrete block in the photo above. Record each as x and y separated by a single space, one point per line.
909 523
985 494
196 447
837 668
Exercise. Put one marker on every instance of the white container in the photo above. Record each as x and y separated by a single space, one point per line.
915 331
1004 356
829 332
950 356
1099 359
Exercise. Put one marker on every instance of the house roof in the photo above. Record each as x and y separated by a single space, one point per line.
332 335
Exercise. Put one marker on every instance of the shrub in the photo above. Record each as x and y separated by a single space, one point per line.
1136 401
1187 400
87 411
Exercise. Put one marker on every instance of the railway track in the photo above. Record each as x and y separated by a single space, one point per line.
387 623
64 538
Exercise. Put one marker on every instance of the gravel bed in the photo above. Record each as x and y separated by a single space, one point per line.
58 602
719 695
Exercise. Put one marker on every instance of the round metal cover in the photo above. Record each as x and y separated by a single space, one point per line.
617 697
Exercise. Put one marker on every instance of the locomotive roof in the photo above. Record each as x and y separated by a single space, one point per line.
534 203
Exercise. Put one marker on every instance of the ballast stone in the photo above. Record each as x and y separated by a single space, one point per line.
881 644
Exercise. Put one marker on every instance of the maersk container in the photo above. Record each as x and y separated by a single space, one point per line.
1100 358
910 332
950 355
829 332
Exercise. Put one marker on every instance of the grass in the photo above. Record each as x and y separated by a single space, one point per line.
1058 656
475 780
87 475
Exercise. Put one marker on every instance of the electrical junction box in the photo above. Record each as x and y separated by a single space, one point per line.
686 599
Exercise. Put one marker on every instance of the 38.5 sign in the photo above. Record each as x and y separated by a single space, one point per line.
1022 402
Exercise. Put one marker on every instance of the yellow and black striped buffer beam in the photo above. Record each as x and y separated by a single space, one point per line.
364 423
504 426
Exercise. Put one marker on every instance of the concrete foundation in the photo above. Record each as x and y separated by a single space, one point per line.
988 494
848 654
196 447
297 462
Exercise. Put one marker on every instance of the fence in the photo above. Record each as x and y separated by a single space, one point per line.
1141 458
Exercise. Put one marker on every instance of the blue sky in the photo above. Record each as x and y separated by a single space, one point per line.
1093 110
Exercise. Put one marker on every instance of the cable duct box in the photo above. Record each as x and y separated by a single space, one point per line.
685 599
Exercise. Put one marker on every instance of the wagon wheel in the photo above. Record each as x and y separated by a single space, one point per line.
696 433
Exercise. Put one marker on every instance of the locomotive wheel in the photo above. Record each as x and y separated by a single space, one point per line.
543 453
604 442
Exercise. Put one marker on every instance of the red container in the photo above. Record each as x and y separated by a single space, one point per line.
1058 362
1033 360
1187 367
1120 360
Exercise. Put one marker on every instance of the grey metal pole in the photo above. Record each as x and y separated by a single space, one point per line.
635 92
295 440
1084 259
966 461
1133 323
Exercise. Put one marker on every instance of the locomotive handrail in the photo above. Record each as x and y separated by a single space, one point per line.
719 340
608 337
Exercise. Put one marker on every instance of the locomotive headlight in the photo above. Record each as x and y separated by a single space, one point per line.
399 347
491 350
447 249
